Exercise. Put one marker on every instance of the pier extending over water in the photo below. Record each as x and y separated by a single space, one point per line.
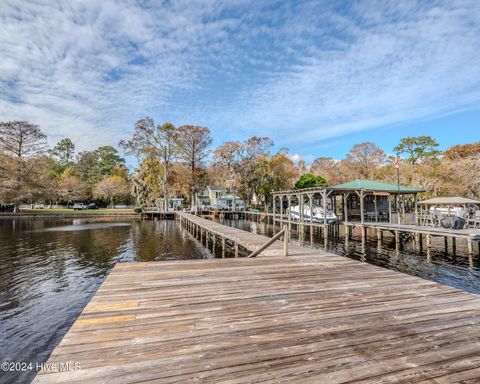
309 318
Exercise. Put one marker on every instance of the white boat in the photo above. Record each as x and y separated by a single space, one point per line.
317 214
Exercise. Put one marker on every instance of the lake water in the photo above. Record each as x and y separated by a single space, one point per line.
50 268
455 269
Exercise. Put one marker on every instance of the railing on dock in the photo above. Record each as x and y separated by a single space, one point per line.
209 232
284 233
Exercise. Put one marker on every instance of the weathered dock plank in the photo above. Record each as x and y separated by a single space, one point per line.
250 240
308 318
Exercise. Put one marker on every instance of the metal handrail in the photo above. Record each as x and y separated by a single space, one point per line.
284 233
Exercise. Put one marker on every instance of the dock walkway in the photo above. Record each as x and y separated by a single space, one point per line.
245 239
307 318
473 234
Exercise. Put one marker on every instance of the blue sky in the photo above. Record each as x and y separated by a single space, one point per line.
315 76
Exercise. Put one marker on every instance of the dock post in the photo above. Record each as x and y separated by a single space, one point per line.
470 245
235 246
347 232
223 247
379 234
285 240
397 237
214 243
429 241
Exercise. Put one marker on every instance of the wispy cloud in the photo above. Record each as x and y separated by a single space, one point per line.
296 71
400 64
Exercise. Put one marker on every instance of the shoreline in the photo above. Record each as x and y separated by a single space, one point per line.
67 215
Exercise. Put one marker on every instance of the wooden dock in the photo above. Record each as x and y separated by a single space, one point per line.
470 235
213 235
307 318
153 214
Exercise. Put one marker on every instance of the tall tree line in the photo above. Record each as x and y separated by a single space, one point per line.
32 173
180 162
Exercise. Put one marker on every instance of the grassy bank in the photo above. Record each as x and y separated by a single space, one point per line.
71 212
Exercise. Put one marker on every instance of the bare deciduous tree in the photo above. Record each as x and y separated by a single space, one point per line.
366 158
226 160
21 139
111 188
21 143
158 142
193 142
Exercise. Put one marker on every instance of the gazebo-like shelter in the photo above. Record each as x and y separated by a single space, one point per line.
367 200
362 200
433 210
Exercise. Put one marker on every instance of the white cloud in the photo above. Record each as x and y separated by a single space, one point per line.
89 69
296 158
400 64
298 72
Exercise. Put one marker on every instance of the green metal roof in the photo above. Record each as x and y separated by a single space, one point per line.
370 185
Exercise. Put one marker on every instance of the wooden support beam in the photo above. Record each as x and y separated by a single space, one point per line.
389 198
345 206
396 208
324 204
362 213
416 209
281 208
310 203
470 245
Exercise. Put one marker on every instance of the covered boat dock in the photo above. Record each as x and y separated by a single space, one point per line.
365 204
358 200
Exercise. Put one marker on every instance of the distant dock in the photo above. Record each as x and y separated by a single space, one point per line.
151 214
312 317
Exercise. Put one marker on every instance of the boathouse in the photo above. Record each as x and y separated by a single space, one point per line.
372 201
356 201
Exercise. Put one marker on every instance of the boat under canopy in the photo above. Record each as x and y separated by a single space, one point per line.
316 215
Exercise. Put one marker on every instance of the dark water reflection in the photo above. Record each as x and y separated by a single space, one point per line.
453 268
50 268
